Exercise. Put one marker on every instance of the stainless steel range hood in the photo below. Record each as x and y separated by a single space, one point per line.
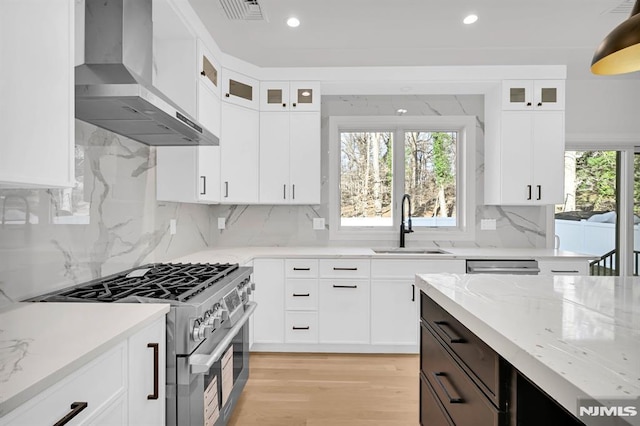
113 87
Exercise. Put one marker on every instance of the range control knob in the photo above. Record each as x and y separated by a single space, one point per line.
197 334
253 285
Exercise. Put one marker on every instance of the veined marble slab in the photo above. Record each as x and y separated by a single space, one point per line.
574 336
41 343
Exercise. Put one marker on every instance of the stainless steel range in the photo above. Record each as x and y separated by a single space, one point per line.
207 330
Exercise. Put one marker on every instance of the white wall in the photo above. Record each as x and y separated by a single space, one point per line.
603 108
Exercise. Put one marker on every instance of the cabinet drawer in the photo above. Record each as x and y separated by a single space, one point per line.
301 268
482 362
96 384
345 268
301 294
460 397
404 268
563 267
302 327
432 412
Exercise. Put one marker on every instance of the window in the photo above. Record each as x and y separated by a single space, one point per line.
375 160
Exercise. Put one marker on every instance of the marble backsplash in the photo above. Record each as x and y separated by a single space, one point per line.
109 222
292 225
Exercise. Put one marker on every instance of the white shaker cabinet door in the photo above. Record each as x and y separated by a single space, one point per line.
37 93
239 154
147 371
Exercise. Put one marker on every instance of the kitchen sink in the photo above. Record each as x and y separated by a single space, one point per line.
399 250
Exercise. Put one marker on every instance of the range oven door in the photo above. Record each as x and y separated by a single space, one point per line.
211 379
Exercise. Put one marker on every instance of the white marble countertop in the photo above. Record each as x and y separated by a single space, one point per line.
41 343
246 254
574 336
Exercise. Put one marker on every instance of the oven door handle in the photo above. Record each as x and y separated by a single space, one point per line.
202 363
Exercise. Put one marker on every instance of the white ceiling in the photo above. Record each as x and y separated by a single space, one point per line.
419 32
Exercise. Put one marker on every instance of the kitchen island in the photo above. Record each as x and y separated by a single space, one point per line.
575 338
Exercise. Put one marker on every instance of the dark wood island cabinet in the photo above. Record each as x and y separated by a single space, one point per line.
464 382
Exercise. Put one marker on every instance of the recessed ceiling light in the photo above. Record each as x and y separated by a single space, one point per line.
470 19
293 22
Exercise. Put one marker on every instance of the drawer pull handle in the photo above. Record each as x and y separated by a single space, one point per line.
413 292
301 328
455 399
301 295
301 269
335 268
156 371
76 408
344 286
453 338
557 271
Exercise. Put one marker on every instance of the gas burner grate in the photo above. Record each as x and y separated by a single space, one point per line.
163 281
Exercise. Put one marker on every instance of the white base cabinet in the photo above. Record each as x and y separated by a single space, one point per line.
268 319
116 388
395 302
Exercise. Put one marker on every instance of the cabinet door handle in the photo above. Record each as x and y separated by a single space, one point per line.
453 337
452 396
204 185
301 294
226 95
337 268
301 269
293 192
76 408
529 192
344 286
539 191
226 189
156 370
203 73
294 104
301 328
528 103
284 105
413 292
539 103
284 191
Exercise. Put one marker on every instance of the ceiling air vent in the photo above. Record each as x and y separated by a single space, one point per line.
243 10
625 7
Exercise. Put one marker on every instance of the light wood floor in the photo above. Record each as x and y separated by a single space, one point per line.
329 389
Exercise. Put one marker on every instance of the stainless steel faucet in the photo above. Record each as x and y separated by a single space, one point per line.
403 229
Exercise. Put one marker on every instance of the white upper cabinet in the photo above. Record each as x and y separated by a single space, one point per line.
289 96
188 174
239 154
37 93
240 89
289 158
174 50
304 95
208 69
530 164
533 95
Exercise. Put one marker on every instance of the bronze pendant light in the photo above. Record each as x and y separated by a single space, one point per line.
619 52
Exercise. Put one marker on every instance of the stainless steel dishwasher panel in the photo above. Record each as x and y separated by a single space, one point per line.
512 267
